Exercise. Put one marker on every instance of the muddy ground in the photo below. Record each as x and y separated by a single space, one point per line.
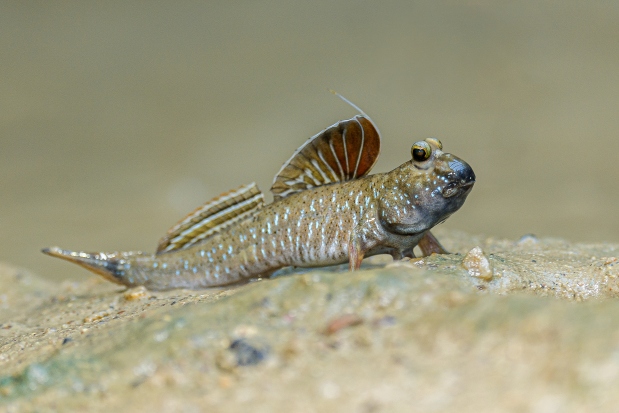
530 325
118 118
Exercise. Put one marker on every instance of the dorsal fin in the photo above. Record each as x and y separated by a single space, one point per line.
344 151
218 213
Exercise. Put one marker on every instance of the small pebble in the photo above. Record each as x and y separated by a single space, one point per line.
96 316
134 294
248 353
477 264
344 321
528 239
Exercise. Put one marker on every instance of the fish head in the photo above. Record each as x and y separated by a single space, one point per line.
426 190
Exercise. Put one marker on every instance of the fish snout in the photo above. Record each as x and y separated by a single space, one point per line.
460 179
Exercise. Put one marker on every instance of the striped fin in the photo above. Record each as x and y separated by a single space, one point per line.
216 214
344 151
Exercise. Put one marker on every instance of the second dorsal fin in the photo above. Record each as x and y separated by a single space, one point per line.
218 213
344 151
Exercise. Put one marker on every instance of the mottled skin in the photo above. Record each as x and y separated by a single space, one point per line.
331 224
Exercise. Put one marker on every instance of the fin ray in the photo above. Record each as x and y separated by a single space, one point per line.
104 264
344 151
208 219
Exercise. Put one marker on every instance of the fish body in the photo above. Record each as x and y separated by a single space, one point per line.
330 216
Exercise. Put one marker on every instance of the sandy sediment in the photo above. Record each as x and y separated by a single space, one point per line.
514 325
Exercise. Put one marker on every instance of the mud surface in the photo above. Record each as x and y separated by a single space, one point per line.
526 325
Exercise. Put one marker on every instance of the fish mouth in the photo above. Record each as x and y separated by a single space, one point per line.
454 188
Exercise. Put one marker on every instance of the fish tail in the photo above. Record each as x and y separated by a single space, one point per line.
104 264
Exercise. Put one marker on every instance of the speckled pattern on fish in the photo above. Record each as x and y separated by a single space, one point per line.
327 210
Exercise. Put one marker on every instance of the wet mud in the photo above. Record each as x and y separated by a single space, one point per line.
512 325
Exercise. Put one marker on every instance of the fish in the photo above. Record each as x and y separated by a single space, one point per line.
327 209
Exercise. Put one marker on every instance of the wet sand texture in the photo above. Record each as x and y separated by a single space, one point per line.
526 325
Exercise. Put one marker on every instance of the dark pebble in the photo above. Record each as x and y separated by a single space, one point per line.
248 353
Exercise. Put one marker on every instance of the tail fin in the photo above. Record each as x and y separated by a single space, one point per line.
101 263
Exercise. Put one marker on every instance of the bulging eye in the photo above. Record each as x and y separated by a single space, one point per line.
421 151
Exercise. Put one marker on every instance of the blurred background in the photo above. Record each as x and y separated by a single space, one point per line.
118 118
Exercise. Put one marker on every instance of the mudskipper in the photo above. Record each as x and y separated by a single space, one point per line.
326 210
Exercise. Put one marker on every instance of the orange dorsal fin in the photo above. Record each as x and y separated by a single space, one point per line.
216 214
344 151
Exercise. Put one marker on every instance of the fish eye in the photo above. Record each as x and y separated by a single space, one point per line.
421 151
436 142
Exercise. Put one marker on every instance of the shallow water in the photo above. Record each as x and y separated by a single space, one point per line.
118 118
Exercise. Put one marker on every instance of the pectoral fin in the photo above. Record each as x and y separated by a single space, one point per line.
344 151
429 244
216 214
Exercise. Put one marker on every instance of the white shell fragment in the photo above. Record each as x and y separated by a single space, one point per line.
477 264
